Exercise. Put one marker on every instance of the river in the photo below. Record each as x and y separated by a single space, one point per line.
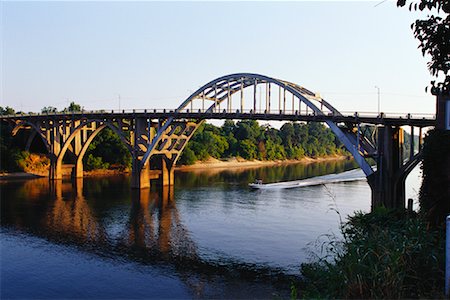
209 236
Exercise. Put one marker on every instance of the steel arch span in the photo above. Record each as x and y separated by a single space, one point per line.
221 93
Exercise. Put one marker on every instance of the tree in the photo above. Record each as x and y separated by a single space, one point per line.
4 111
73 107
434 37
287 134
108 145
247 149
49 109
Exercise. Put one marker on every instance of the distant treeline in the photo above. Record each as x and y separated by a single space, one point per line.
249 140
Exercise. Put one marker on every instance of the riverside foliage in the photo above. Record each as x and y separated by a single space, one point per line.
383 254
249 140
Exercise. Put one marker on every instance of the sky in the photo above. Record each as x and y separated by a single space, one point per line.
147 55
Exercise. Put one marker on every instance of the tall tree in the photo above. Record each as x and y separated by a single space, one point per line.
49 109
4 111
433 34
73 107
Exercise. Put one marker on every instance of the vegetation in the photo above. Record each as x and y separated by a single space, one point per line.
397 254
383 254
249 140
435 189
95 163
433 34
105 150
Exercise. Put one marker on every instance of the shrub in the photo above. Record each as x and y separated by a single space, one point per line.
383 254
187 157
94 163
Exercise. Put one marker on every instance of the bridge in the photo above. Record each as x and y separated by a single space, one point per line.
156 138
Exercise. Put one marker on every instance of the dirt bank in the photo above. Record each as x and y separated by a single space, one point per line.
212 163
242 163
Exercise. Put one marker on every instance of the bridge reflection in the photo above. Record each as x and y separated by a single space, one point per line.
151 222
105 218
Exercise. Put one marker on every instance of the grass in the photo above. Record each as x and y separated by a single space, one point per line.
383 254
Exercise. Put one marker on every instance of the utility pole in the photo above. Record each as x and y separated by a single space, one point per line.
378 99
119 103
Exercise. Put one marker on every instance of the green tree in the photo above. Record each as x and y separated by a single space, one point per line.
73 107
4 111
433 34
287 133
108 145
49 109
188 157
95 163
247 129
247 149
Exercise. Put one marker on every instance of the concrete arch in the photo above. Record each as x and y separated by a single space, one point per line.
76 131
222 88
23 123
79 163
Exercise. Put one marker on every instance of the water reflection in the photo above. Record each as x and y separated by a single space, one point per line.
70 213
242 176
210 231
60 209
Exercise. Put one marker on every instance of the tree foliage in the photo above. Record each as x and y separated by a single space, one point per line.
433 34
108 146
4 111
249 140
73 107
435 190
383 255
49 109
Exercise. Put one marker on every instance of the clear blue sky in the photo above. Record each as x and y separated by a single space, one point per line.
154 54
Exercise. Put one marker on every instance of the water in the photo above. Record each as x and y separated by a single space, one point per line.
208 237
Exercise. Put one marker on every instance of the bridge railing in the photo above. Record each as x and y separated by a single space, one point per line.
305 112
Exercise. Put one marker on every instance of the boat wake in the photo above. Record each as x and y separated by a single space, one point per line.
352 175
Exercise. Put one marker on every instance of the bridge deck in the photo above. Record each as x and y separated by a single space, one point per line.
411 120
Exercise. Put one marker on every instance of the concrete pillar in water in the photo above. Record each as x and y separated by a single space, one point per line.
167 171
388 187
140 176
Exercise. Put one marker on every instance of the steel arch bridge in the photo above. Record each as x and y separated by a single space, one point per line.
156 139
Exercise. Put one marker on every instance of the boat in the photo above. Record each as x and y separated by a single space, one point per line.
352 175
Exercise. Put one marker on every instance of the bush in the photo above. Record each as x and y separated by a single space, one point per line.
95 163
435 189
187 157
383 254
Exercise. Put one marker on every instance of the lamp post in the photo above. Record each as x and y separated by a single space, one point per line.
378 99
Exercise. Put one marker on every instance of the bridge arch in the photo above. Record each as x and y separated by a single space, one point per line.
222 89
85 145
22 124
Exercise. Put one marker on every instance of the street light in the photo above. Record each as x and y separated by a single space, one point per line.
378 99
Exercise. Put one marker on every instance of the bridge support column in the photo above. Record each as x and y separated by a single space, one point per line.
77 171
55 169
167 171
388 188
140 178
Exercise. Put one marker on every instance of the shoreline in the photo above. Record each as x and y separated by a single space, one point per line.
211 163
241 163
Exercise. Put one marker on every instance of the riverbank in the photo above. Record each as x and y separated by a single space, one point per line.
236 162
211 163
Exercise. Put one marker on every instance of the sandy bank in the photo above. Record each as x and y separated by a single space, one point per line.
242 163
19 175
211 163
